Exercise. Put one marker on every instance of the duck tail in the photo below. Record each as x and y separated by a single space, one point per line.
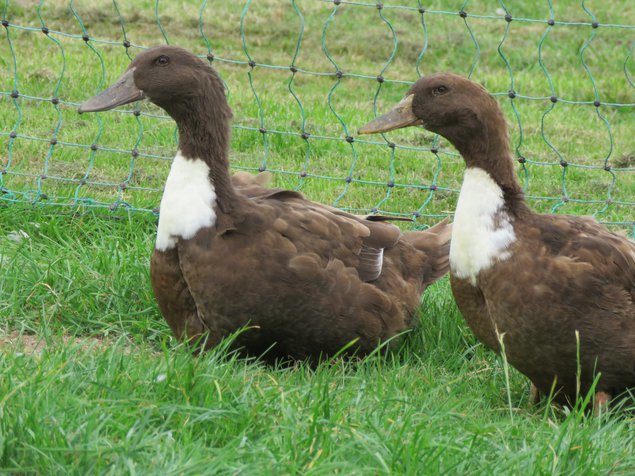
435 243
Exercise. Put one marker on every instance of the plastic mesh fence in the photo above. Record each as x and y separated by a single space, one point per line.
302 77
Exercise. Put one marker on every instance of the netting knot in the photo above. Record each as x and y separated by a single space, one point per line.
210 57
350 139
5 23
303 174
262 168
55 101
391 145
3 171
252 64
553 99
134 153
337 2
305 135
293 69
508 18
597 103
607 168
522 160
82 181
339 74
434 150
93 146
45 30
262 130
13 134
15 94
43 176
433 187
390 184
565 199
374 210
85 37
563 163
44 196
422 10
123 185
136 112
380 79
551 22
595 24
511 94
126 44
53 141
608 201
463 14
416 214
379 6
348 179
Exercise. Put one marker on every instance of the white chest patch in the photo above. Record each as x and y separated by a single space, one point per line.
482 230
187 204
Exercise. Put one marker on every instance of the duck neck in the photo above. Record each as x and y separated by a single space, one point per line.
490 202
204 134
491 153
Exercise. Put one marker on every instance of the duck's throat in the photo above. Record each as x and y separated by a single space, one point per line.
188 203
483 230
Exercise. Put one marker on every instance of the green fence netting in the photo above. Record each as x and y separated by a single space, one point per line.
302 76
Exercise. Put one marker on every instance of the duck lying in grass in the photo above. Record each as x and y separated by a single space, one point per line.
556 292
304 279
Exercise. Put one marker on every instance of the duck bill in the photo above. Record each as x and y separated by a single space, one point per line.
399 116
122 92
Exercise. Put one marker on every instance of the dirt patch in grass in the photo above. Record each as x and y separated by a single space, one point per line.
31 344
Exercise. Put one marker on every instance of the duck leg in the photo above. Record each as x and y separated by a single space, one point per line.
600 402
534 394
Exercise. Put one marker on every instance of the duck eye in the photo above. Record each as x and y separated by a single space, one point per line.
162 60
438 91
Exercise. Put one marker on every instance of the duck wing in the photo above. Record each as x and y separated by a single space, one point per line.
367 236
598 254
375 233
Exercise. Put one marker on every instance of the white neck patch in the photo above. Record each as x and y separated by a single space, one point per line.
482 230
187 204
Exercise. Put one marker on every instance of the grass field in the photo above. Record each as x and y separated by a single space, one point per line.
91 381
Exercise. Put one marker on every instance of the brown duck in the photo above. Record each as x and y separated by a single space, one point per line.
304 279
549 287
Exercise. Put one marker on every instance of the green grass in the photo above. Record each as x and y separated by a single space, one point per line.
121 397
91 381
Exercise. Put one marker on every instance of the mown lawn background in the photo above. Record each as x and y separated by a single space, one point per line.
91 381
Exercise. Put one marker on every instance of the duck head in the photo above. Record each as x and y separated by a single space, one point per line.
193 94
452 106
168 76
188 89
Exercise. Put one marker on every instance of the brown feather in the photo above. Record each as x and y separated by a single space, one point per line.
304 279
566 285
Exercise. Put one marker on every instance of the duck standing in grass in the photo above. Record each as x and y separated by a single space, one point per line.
305 279
557 291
